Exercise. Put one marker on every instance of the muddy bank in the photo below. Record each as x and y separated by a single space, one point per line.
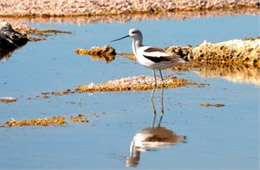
46 8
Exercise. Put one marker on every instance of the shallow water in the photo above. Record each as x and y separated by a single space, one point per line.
216 137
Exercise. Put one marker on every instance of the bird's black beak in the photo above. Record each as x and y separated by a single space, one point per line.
120 38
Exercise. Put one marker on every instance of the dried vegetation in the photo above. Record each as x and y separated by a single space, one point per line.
53 121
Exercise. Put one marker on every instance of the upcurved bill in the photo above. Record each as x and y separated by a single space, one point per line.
120 38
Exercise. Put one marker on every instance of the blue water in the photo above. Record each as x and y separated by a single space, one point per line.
217 137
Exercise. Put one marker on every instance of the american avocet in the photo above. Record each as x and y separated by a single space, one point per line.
151 57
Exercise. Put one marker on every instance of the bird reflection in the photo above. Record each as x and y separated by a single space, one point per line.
152 138
154 109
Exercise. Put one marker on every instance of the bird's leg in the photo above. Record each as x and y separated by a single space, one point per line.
162 107
161 78
155 82
154 109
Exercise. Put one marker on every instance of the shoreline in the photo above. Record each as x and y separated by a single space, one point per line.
124 18
69 8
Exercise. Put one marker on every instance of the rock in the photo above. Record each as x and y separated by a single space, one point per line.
233 51
245 52
106 53
184 52
9 38
5 55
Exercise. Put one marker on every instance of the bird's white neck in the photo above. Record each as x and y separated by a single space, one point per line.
135 45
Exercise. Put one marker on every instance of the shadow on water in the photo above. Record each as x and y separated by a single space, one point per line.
6 54
152 138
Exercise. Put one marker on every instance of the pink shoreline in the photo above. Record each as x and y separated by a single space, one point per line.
112 7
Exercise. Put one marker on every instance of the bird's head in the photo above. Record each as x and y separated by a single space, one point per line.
133 33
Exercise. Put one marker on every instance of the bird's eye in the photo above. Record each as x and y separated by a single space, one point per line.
134 32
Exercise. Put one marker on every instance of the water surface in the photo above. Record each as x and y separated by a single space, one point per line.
216 137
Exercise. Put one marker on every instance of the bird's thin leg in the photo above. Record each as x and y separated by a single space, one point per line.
161 78
154 109
155 82
162 107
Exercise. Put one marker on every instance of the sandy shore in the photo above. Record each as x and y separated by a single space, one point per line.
47 8
124 18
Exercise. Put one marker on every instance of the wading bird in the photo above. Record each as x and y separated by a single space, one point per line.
151 57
